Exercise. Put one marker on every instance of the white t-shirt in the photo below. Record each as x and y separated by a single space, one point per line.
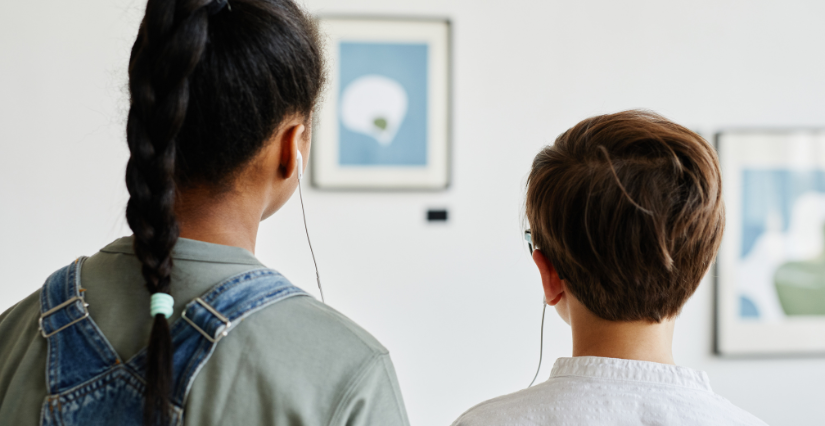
599 391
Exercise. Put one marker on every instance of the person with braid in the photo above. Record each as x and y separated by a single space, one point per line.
180 323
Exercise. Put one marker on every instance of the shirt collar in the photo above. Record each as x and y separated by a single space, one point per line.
186 249
631 370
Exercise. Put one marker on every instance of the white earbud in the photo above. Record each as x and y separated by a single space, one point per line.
300 166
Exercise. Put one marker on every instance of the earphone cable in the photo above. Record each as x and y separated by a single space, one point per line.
306 229
541 344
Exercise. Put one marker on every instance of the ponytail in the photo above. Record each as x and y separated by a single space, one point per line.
169 46
210 82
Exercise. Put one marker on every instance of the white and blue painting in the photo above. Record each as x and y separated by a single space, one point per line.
382 118
782 260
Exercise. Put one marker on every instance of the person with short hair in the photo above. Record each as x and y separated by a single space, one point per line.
626 217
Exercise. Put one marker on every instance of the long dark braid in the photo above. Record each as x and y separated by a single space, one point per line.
170 43
209 86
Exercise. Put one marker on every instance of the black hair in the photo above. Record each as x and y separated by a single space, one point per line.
210 83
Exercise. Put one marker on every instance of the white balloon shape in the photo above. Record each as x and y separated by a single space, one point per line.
374 105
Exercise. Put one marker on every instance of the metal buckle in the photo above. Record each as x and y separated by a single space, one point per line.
59 307
215 313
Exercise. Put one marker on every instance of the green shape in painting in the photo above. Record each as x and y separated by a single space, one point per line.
381 123
801 286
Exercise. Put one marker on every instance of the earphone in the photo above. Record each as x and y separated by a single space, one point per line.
300 174
300 166
541 339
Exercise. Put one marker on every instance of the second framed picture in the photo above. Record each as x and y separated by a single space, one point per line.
771 265
384 122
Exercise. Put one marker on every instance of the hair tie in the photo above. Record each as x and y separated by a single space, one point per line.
217 6
162 303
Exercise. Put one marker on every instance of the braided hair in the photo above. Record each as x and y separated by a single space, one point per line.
209 83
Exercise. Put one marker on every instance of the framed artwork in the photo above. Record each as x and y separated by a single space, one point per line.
771 268
384 122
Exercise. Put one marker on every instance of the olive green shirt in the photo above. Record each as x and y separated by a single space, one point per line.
296 362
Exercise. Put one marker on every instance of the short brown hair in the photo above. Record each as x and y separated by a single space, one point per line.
628 208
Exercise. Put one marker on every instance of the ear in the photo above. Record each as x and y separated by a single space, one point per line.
289 140
553 286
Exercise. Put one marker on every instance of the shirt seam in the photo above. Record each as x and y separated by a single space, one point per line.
399 404
353 384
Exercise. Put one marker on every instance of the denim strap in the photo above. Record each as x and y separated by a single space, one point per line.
61 302
212 316
81 360
73 337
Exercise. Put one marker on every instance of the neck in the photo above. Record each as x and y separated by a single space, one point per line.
229 219
638 340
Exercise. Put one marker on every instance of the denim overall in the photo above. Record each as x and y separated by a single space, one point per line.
88 383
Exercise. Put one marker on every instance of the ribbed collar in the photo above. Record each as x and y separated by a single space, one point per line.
199 251
630 370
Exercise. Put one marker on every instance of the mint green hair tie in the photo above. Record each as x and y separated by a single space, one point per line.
162 303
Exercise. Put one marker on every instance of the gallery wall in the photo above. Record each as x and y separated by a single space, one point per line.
457 304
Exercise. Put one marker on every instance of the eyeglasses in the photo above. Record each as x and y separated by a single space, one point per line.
528 236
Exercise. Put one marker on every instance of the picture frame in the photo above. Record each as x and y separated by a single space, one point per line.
384 121
770 271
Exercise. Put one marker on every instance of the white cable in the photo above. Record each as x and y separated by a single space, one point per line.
304 214
541 344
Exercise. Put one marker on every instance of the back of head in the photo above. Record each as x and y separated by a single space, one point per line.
210 82
628 208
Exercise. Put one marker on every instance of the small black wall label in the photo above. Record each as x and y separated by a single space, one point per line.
436 215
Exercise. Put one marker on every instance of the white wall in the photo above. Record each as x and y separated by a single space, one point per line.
458 305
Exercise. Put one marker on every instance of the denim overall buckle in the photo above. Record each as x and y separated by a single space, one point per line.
58 308
217 314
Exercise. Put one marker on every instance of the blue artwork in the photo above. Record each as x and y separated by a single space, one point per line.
782 260
382 118
773 192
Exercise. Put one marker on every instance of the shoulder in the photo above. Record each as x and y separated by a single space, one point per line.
306 321
24 310
505 409
300 339
295 359
19 327
732 414
22 356
19 324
